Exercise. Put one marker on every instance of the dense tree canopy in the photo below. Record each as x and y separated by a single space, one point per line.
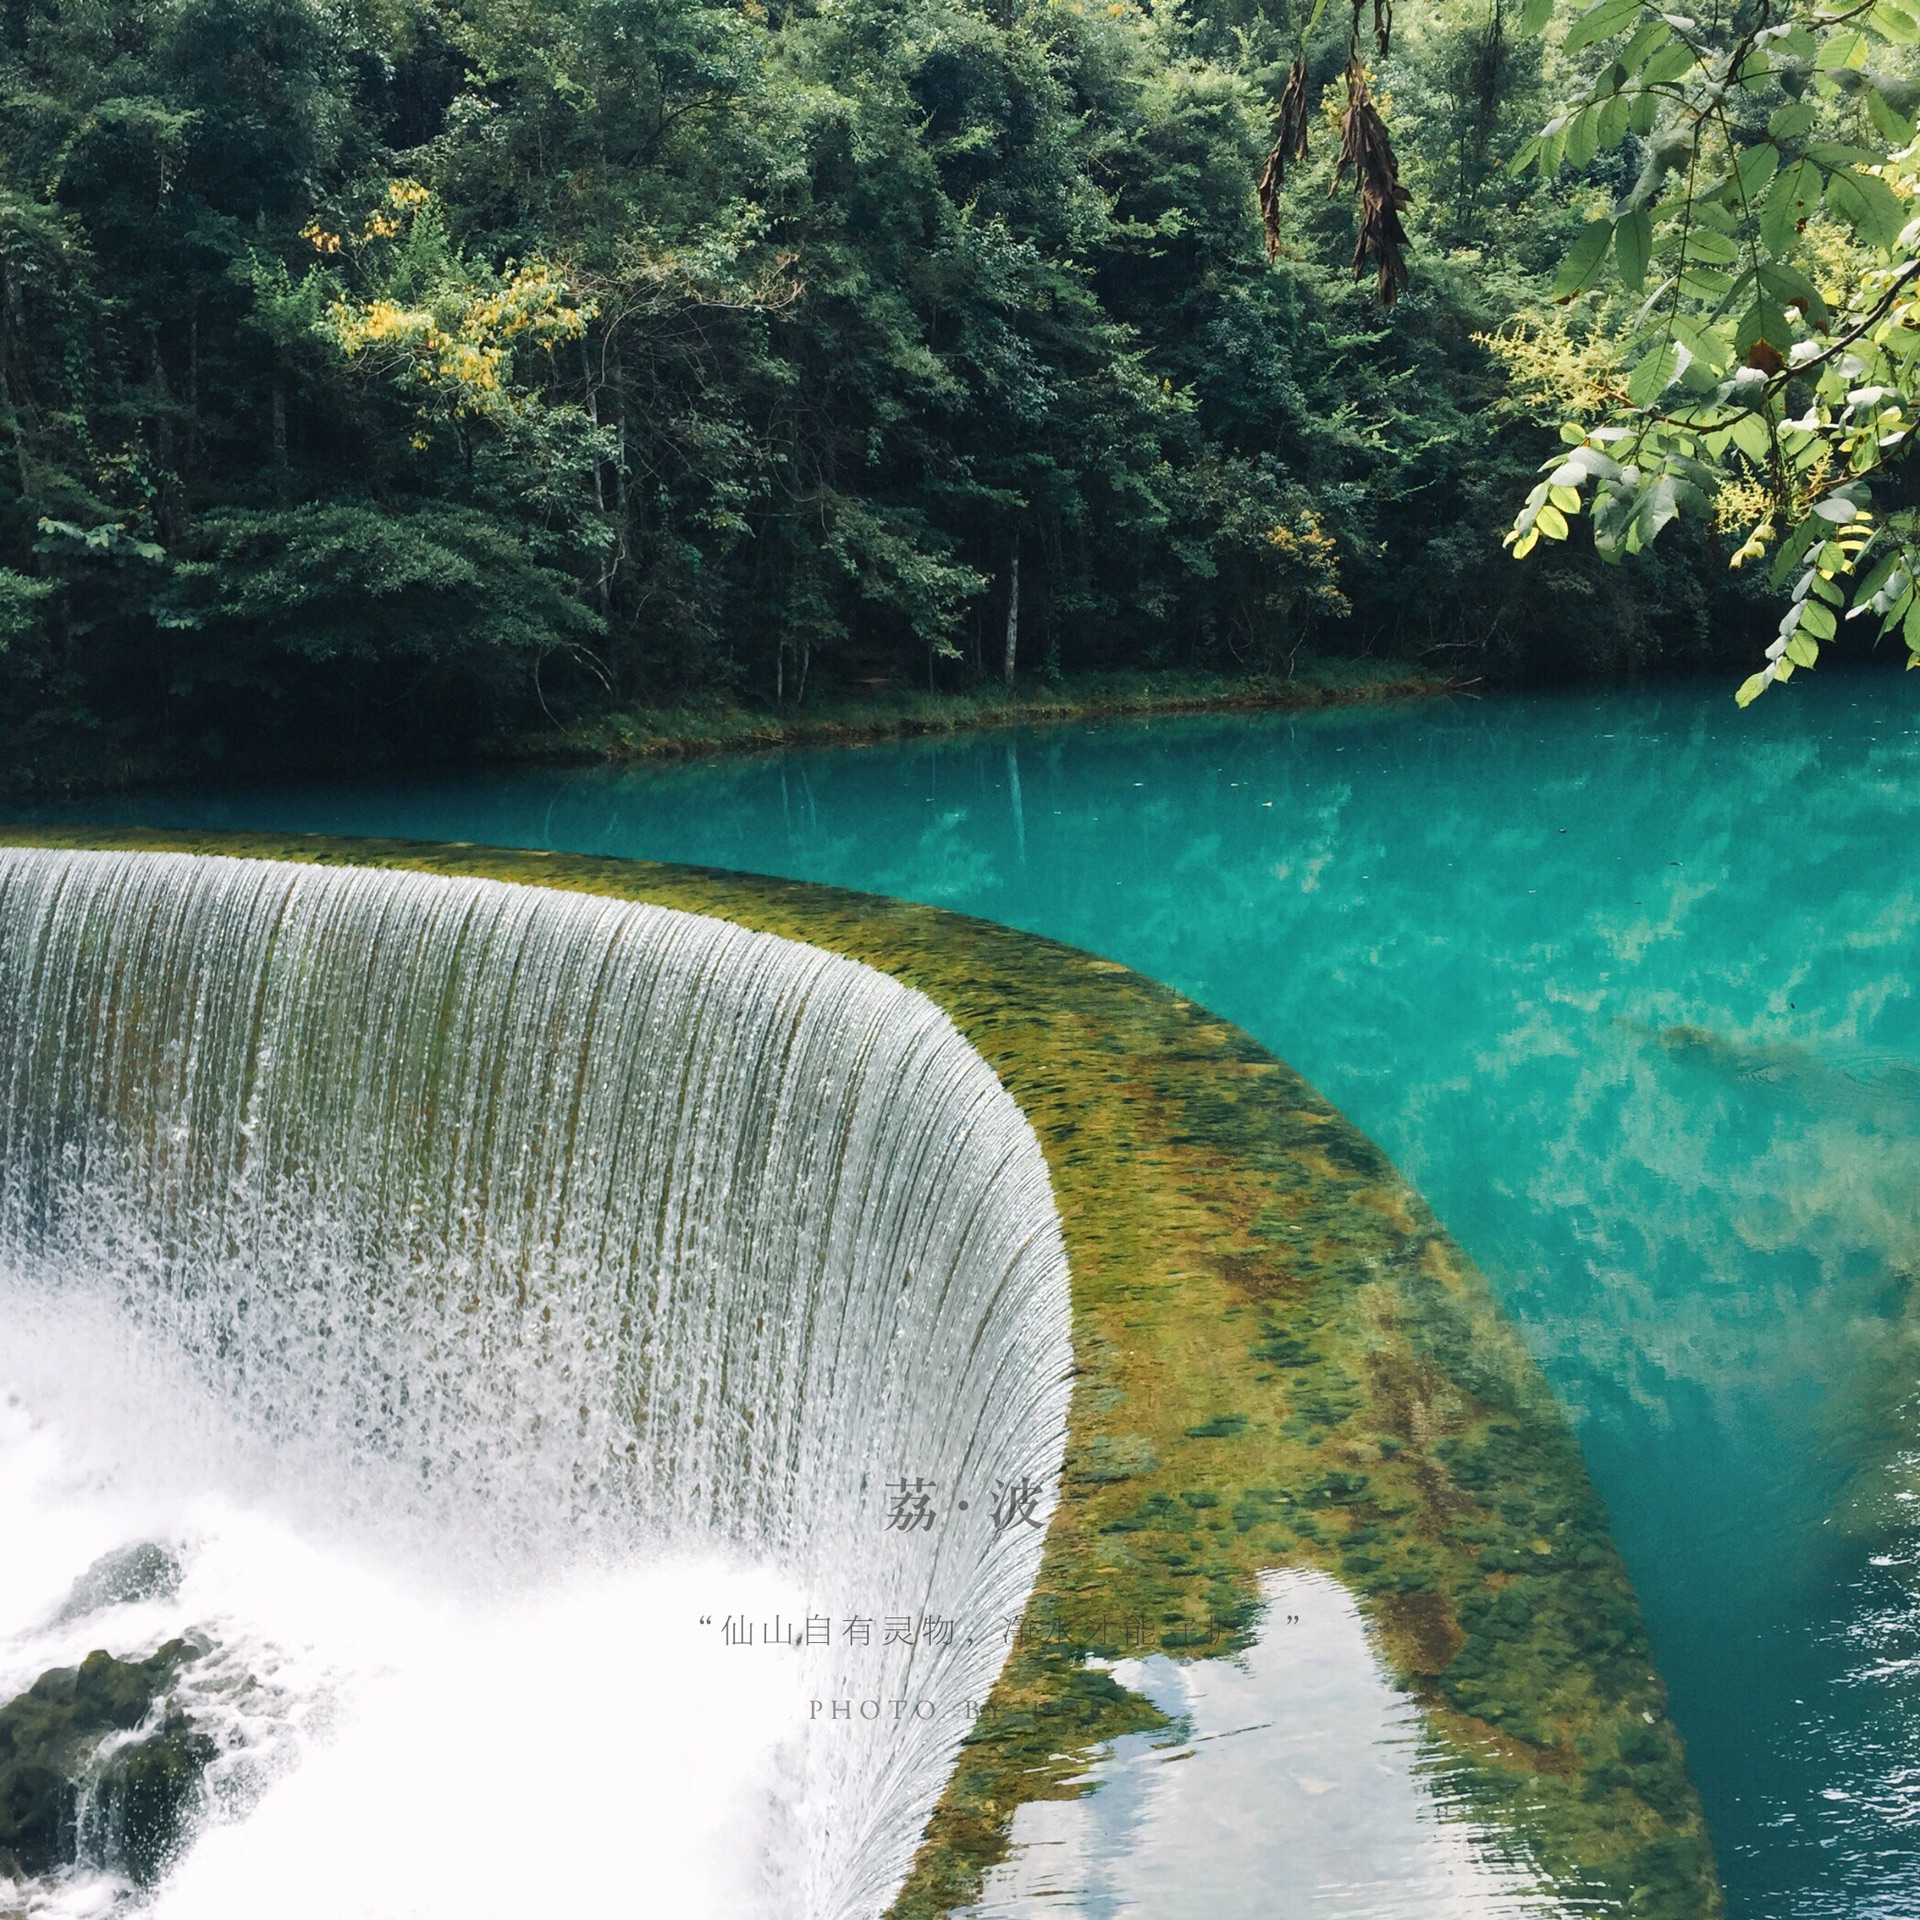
395 375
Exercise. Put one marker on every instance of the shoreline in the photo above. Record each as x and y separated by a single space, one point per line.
716 728
697 732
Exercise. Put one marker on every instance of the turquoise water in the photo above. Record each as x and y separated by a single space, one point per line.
1624 983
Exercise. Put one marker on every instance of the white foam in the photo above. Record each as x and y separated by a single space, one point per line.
393 1749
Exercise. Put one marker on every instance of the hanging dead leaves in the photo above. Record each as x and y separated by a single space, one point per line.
1365 152
1289 144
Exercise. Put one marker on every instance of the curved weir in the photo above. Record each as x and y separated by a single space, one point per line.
521 1229
1282 1369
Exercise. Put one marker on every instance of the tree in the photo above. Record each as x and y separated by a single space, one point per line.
406 377
1739 339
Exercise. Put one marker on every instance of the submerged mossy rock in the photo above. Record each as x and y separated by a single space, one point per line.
1281 1358
60 1797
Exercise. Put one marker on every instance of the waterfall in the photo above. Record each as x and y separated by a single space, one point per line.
518 1229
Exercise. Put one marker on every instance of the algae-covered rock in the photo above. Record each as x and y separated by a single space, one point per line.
117 1579
139 1798
135 1796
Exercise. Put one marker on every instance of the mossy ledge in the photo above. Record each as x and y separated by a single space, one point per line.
905 713
1268 1318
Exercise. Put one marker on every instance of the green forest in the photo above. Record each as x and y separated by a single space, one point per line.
396 378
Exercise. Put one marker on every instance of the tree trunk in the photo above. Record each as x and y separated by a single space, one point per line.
1013 616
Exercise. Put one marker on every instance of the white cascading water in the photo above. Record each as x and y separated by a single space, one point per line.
499 1296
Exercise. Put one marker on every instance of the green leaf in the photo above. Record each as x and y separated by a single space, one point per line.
1793 196
1832 153
1895 24
1790 287
1534 17
1652 32
1651 378
1878 578
1868 205
1892 123
1552 522
1584 259
1802 651
1600 23
1816 620
1657 505
1708 347
1610 512
1708 283
1668 64
1632 243
1764 320
1594 464
1903 95
1751 688
1714 248
1792 121
1582 136
1910 627
1793 548
1754 168
1751 437
1646 109
1610 123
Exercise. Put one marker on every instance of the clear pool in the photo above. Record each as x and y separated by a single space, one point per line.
1625 983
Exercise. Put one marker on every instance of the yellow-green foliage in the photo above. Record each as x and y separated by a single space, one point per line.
1281 1358
451 346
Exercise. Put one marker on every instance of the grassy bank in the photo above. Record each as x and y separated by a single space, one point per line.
718 726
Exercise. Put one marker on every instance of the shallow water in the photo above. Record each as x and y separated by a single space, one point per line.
1625 985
